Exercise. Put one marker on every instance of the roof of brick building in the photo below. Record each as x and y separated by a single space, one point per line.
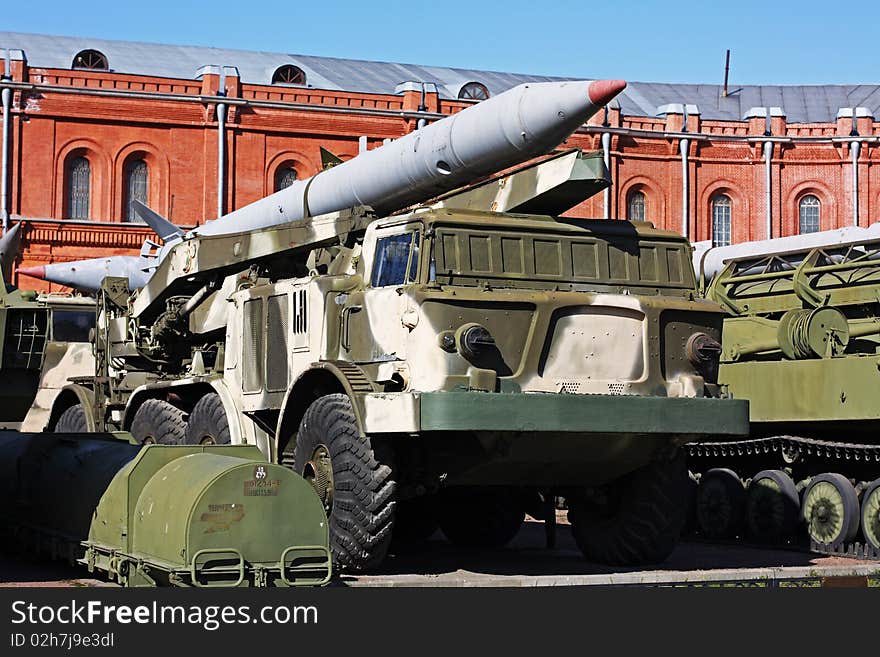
799 103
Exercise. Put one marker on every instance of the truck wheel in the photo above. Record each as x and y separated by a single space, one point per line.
207 423
480 516
72 420
157 421
353 476
639 519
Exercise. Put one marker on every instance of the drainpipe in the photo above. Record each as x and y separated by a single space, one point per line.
221 146
768 190
606 157
422 108
4 159
855 148
684 146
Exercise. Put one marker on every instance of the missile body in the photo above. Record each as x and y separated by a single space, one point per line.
711 260
498 133
86 275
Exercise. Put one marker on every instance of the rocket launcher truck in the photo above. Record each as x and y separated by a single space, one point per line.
452 364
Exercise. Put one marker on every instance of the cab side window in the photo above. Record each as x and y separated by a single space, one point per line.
397 260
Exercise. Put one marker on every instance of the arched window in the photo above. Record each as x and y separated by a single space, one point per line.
288 74
721 220
91 59
77 186
635 206
808 211
284 177
135 187
473 91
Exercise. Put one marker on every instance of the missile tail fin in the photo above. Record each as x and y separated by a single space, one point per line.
9 247
329 159
166 231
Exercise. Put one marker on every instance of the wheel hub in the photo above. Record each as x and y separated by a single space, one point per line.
824 513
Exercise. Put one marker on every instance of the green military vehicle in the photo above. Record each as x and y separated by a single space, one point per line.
44 340
802 344
445 365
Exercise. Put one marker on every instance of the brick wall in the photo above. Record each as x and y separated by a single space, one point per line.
173 126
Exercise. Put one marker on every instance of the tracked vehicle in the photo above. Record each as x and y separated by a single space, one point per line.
802 343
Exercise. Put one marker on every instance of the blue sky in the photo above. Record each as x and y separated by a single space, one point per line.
806 42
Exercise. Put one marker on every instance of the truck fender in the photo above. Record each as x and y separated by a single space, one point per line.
70 395
322 378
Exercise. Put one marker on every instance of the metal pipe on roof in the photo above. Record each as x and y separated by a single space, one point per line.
606 157
4 158
768 189
221 157
684 146
221 146
855 149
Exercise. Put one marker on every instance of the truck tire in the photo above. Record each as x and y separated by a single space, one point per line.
207 423
641 521
72 420
157 421
480 516
353 476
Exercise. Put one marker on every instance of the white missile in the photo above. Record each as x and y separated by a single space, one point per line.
710 259
498 133
86 275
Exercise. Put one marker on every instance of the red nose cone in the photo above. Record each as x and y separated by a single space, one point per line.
601 91
33 272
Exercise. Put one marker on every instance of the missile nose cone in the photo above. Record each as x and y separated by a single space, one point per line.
601 91
33 272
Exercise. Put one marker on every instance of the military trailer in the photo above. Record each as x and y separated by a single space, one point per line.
802 344
445 365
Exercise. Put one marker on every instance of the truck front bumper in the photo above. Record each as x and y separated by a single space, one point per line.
596 415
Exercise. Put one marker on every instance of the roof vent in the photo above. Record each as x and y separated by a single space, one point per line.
289 74
473 91
90 59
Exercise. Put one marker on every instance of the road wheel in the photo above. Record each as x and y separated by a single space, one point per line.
480 516
871 514
157 421
354 478
830 510
720 503
72 420
772 506
636 520
208 424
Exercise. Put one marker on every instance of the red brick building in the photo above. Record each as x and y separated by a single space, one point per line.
194 132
